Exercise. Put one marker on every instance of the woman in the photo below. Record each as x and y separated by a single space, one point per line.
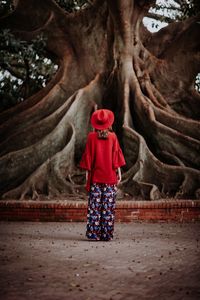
102 160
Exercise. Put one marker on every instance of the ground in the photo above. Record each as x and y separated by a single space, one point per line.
143 261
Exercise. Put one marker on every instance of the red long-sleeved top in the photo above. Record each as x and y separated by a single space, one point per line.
102 157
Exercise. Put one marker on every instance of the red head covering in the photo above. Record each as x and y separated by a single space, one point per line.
102 119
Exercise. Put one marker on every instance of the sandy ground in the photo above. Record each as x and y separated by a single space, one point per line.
56 261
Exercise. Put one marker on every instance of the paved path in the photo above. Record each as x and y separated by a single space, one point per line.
54 261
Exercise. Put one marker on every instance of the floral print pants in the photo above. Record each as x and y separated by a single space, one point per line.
101 212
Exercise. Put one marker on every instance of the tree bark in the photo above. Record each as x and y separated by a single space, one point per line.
106 59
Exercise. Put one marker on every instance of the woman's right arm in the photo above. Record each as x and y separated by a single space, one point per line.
119 175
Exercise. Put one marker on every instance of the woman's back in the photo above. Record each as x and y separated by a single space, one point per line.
104 157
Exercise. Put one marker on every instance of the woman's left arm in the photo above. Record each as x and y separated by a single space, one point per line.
86 175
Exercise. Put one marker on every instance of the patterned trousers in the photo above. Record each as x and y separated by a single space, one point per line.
101 212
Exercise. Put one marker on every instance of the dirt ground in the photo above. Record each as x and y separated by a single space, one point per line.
55 261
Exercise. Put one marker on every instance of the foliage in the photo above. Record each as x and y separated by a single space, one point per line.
189 8
164 12
25 68
73 5
197 82
6 7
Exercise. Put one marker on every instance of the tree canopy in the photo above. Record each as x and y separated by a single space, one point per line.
26 67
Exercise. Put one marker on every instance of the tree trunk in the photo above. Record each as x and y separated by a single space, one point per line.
106 59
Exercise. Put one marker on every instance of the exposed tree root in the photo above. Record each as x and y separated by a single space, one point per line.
166 181
36 131
47 172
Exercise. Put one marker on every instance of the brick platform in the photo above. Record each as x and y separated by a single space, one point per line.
126 211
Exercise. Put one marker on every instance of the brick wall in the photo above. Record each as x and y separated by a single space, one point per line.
126 211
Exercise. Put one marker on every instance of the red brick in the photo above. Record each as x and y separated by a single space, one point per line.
126 211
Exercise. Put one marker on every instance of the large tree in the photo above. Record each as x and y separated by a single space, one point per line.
106 58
